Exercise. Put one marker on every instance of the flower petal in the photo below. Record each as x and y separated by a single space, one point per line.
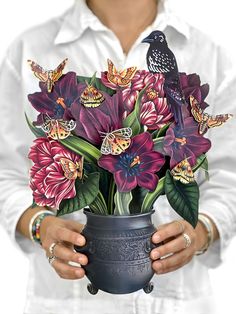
124 182
148 181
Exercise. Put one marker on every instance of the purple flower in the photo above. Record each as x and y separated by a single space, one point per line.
184 143
136 166
191 85
92 123
65 91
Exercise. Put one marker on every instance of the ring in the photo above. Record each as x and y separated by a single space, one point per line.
180 223
51 259
187 240
52 247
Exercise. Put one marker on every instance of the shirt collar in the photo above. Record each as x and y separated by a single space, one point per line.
79 18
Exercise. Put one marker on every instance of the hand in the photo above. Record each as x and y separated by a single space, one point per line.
174 245
66 233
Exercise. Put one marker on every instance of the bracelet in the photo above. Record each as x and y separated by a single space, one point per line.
34 225
210 233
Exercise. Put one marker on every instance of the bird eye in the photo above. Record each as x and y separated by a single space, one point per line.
155 37
161 38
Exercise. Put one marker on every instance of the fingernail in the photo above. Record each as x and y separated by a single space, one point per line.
80 259
80 241
78 273
155 255
156 238
158 267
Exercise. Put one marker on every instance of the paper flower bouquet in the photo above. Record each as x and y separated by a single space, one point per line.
114 142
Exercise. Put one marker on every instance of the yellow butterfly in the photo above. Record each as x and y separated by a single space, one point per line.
72 170
49 77
205 120
116 142
183 172
91 97
58 128
120 78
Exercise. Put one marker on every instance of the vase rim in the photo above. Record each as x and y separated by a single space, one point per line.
88 213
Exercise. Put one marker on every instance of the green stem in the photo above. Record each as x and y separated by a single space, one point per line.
111 196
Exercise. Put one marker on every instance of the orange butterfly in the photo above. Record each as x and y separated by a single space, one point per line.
72 170
58 128
183 172
120 78
48 77
116 142
91 97
205 120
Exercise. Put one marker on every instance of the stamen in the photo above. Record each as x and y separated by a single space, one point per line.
136 161
60 101
182 140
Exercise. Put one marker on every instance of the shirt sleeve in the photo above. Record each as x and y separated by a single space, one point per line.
15 139
218 195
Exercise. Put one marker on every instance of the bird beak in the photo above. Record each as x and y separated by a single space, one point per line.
147 40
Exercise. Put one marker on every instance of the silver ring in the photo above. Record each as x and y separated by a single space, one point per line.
52 247
187 239
51 259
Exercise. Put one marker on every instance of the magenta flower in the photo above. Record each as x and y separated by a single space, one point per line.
65 91
47 178
184 143
92 123
191 85
141 79
136 166
155 115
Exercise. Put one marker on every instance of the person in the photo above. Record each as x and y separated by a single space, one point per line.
89 33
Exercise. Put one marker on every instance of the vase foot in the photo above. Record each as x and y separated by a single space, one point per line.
92 289
148 288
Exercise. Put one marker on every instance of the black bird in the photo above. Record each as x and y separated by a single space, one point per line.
160 59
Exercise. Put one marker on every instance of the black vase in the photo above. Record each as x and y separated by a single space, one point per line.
118 249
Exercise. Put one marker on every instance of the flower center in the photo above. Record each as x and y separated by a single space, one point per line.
182 140
151 93
60 101
136 161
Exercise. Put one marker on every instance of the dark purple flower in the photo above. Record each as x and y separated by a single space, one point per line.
191 85
136 166
65 91
92 123
185 143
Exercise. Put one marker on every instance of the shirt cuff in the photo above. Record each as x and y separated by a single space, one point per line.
12 210
215 254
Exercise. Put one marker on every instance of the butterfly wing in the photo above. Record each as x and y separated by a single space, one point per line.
196 110
106 147
57 73
80 166
112 72
126 76
38 71
91 97
218 120
183 172
124 132
69 168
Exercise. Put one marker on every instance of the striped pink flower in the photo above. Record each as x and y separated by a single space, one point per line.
47 179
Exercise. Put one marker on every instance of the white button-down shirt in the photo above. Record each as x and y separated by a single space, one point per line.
81 37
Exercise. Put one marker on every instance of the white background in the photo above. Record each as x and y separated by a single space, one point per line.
215 17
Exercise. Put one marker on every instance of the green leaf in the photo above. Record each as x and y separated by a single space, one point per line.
159 145
86 192
122 201
81 147
183 198
132 120
151 197
162 131
138 194
38 132
98 206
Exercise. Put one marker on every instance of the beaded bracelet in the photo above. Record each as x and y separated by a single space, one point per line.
34 225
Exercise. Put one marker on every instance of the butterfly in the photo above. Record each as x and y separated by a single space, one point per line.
205 120
183 172
49 77
91 97
116 142
58 128
120 78
72 170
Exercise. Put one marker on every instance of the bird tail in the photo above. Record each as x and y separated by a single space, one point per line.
175 101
